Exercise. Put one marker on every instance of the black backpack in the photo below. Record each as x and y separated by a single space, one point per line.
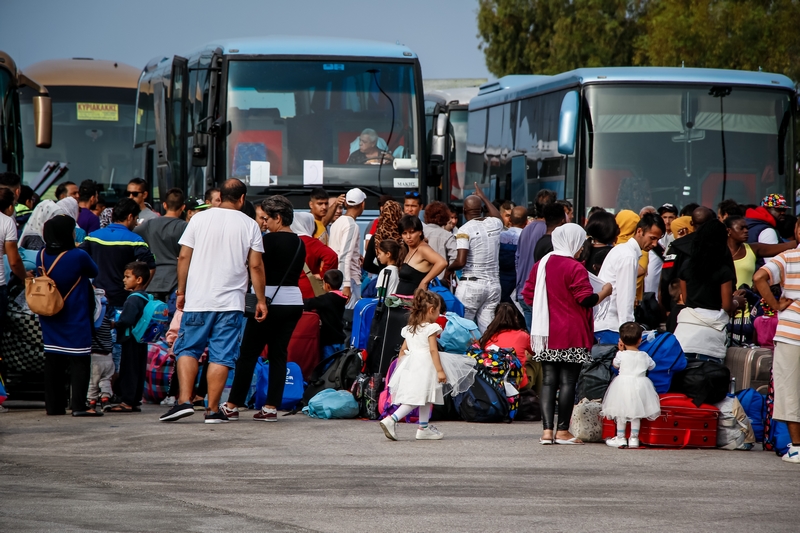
596 376
484 401
338 372
648 312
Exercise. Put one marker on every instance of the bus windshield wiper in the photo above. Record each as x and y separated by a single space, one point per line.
721 92
374 72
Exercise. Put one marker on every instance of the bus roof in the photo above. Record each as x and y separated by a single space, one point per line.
515 87
455 96
312 46
80 72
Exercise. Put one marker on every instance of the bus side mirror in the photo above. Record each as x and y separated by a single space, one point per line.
568 123
439 141
43 121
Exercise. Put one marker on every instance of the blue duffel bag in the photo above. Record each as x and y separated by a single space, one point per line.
453 304
292 392
668 355
755 405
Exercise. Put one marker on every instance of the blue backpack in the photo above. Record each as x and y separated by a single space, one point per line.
755 405
292 391
779 437
668 355
484 401
153 322
452 303
362 320
331 403
459 333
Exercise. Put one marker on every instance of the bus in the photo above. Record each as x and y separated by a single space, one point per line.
285 114
628 137
11 141
453 105
93 116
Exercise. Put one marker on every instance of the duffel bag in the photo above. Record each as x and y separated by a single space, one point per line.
668 355
483 402
703 382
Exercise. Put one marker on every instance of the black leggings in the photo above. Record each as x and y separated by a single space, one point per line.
274 332
563 377
55 379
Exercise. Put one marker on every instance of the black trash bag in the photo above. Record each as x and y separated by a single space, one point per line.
530 408
703 382
596 376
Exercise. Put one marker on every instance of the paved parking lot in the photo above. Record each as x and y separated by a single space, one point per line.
132 473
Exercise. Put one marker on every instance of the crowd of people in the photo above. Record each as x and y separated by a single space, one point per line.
238 277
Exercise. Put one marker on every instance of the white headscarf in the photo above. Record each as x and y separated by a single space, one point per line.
567 241
70 207
43 212
304 224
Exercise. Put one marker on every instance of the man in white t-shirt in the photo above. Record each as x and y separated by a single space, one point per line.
217 248
8 247
344 239
478 245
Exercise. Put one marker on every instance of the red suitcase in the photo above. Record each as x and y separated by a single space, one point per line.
681 424
304 348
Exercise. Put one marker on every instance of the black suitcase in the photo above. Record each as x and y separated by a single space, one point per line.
385 339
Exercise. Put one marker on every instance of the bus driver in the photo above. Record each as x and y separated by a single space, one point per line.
368 152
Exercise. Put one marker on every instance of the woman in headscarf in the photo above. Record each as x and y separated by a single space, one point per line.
70 207
32 237
319 257
562 332
67 334
627 220
390 216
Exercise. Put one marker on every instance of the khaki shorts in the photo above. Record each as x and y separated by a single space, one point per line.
786 378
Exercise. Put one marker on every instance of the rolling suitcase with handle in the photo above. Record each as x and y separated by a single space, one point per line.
749 366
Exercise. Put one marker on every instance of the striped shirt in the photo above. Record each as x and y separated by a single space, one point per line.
785 269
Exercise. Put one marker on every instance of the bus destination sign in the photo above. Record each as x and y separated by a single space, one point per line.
106 112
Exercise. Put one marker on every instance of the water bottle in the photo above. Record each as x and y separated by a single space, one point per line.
733 385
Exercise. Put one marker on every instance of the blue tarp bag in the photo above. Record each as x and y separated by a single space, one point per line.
668 355
153 322
453 304
755 405
293 389
458 334
331 403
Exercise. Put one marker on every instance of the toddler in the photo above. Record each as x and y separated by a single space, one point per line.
390 254
631 396
330 308
133 362
422 371
102 365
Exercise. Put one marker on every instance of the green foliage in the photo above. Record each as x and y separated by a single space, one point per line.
551 36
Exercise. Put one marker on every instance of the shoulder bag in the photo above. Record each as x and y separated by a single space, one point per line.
251 300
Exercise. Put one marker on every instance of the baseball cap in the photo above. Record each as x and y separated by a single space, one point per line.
668 208
774 200
196 204
355 197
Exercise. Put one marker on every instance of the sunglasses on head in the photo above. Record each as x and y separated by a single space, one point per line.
412 194
133 193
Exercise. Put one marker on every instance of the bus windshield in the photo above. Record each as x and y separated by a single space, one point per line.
5 85
647 145
307 117
92 132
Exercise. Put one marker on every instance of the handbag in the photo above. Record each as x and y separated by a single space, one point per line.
316 284
251 300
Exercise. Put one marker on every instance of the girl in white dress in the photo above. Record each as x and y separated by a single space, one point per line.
631 396
423 374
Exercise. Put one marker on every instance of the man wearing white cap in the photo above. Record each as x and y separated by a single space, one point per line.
344 239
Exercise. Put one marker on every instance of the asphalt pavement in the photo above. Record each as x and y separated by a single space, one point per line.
129 472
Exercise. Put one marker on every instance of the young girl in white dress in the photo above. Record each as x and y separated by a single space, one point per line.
423 374
631 396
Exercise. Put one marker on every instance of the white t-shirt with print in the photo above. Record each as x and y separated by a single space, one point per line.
8 233
221 240
482 240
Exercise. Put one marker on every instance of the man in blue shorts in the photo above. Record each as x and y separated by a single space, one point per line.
217 248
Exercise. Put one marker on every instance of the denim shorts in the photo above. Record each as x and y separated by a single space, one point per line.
220 331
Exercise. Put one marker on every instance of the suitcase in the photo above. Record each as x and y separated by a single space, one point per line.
385 339
749 367
304 348
362 319
681 425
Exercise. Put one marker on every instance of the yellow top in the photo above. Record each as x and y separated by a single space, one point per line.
321 232
745 268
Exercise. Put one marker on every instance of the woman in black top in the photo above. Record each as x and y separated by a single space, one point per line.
284 256
603 231
421 263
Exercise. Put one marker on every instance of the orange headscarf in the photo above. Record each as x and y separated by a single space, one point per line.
681 223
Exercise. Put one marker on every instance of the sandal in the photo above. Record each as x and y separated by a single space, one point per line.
545 441
122 408
573 440
87 413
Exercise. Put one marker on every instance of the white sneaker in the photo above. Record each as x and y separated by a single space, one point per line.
617 442
429 433
793 455
633 442
3 409
169 400
389 427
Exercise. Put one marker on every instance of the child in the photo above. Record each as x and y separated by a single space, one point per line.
422 371
133 363
389 253
330 308
102 365
631 396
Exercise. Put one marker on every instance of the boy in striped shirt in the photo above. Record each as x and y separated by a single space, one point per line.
784 269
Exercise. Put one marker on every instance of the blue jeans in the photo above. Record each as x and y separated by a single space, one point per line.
607 337
527 312
701 357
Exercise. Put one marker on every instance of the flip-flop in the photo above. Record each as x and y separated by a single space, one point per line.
123 409
546 442
87 413
573 440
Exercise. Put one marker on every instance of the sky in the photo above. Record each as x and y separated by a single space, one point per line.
441 32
